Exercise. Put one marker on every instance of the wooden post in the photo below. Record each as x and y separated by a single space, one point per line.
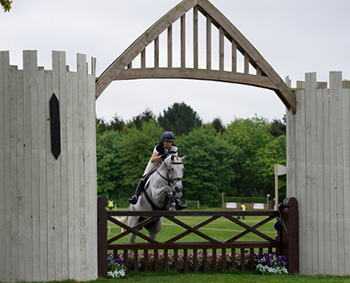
289 233
102 236
276 186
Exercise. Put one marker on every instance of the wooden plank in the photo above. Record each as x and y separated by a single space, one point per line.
314 189
246 63
156 52
143 58
43 207
221 49
346 156
234 56
290 136
340 175
3 63
92 177
81 59
167 213
56 65
301 173
326 179
70 177
50 188
6 169
310 79
320 189
183 41
36 244
195 37
64 159
76 172
201 74
208 43
20 181
29 71
170 46
334 88
15 257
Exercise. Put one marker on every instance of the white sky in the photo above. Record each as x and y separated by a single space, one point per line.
295 37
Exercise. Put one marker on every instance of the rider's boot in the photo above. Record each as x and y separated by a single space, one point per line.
179 206
139 189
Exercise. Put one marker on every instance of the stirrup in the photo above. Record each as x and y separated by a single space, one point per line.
133 199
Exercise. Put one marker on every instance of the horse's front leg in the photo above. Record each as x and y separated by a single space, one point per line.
132 221
155 228
165 196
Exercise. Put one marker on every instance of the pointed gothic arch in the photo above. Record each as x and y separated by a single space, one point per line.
263 74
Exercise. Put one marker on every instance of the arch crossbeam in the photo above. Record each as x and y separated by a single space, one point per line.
255 70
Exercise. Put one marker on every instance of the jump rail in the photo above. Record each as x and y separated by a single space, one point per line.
286 216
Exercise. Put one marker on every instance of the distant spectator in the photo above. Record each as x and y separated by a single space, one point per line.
243 209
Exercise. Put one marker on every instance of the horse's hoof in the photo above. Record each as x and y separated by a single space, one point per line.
180 206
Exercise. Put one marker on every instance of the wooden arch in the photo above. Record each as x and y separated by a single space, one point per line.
263 74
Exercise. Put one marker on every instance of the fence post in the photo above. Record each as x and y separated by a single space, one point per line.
102 236
289 233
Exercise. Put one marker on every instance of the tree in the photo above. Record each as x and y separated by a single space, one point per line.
108 169
134 152
249 135
278 127
273 153
6 4
217 125
179 119
208 166
137 121
101 126
117 124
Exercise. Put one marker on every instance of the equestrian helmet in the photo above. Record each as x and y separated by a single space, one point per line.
168 136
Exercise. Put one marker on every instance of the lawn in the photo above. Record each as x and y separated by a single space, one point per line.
221 229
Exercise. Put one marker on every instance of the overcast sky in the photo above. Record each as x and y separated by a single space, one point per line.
295 37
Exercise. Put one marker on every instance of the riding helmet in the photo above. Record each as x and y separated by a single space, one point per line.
168 136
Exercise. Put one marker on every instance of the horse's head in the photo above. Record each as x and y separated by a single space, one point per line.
175 172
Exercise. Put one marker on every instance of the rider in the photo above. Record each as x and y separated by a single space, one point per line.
161 150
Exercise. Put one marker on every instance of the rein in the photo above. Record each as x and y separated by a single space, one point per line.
170 179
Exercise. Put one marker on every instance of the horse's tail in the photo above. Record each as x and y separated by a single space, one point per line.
123 219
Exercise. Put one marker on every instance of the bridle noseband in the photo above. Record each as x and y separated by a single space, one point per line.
169 178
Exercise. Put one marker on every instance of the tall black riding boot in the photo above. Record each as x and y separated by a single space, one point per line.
179 206
139 189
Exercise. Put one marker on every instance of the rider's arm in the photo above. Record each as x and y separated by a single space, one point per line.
156 157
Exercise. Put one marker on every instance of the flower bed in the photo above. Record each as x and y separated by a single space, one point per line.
268 264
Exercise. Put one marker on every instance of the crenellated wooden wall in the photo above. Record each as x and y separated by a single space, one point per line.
48 209
318 160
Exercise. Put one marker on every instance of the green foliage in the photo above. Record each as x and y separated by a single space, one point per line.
273 153
208 166
179 119
6 4
237 160
108 171
137 121
248 135
278 127
246 199
134 151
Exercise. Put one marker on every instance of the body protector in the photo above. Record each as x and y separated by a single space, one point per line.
160 149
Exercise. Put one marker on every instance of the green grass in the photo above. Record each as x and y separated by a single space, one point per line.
242 277
221 229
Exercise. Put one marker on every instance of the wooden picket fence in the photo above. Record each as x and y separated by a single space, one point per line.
285 242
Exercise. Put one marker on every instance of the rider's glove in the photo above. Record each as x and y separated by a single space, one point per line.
163 156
